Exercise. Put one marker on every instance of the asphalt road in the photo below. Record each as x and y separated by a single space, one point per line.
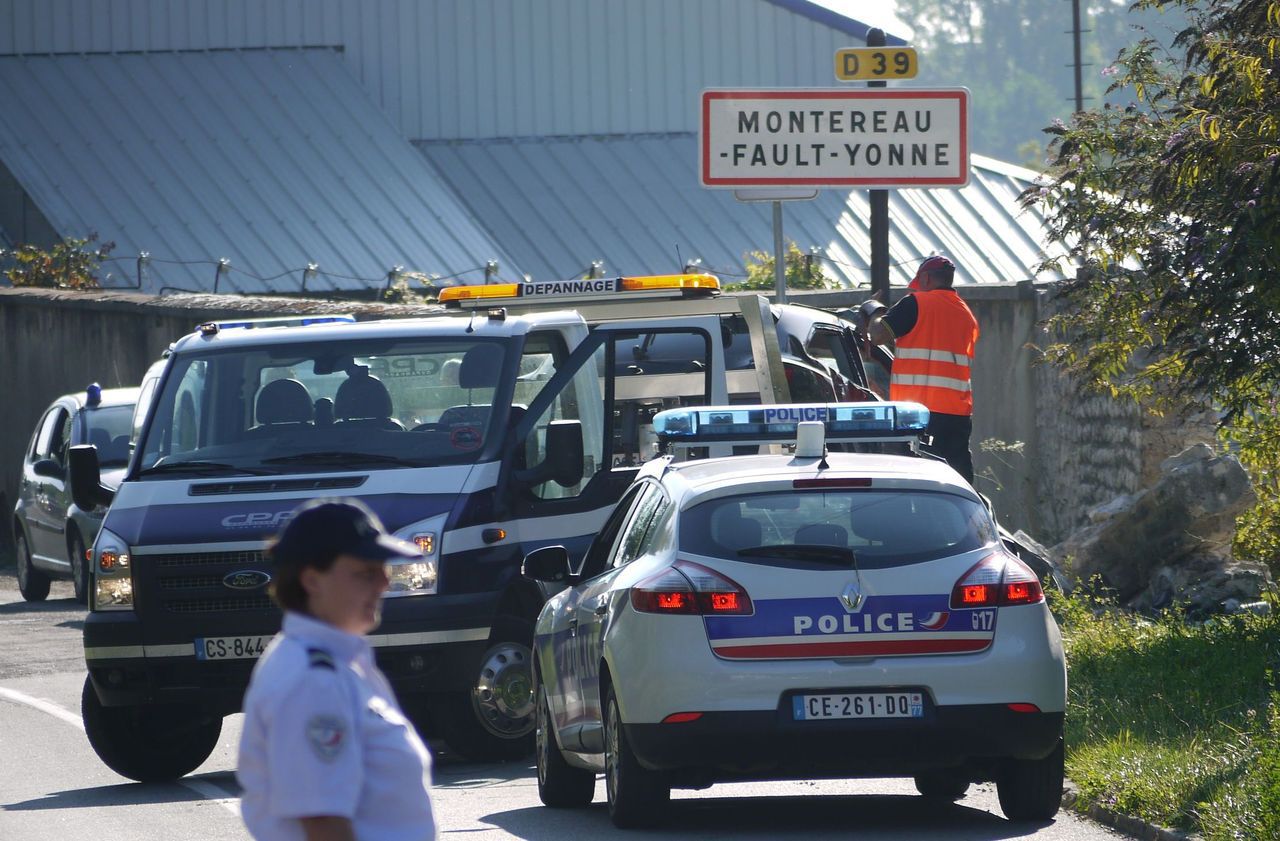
53 786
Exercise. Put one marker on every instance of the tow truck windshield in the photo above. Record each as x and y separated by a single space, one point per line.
364 404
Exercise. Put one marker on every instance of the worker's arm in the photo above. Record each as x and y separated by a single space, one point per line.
328 828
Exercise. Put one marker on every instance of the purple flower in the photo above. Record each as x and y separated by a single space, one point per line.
1110 70
1057 123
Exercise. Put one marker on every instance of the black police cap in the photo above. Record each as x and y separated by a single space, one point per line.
323 529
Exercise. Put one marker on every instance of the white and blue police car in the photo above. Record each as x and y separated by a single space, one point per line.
796 615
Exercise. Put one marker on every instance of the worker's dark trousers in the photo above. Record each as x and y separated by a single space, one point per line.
951 441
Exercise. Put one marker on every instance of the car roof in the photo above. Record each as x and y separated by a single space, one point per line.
110 397
690 482
477 325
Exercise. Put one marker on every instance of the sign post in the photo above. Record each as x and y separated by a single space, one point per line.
879 201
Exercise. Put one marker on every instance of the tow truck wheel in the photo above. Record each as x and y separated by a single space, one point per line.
148 743
79 566
495 718
1031 789
32 583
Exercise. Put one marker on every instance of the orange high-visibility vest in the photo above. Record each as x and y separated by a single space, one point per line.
931 363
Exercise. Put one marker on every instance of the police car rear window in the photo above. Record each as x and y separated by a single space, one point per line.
883 529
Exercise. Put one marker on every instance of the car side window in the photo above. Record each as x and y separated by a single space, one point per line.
44 434
634 539
54 435
598 553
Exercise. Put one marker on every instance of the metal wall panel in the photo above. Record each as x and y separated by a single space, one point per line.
464 69
559 203
270 158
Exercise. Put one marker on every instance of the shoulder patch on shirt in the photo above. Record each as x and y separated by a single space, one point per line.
327 735
318 658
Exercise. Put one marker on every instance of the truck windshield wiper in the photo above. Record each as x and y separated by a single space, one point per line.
330 458
809 552
204 468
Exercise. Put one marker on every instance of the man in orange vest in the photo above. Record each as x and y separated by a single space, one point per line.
935 334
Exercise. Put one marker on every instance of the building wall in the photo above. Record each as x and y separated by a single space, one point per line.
1076 452
464 69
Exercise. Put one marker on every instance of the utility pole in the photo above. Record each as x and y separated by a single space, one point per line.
879 211
1076 31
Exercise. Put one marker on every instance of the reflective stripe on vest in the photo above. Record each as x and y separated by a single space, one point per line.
933 355
933 360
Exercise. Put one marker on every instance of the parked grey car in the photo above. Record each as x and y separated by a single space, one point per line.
50 532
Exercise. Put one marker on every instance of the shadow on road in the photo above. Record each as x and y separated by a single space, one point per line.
813 817
125 794
451 772
68 605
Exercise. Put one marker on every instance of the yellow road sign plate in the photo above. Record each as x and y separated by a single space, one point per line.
876 63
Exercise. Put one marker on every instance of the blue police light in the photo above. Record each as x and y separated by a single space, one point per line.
212 327
842 421
93 394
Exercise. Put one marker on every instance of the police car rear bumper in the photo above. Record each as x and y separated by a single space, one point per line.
417 656
769 745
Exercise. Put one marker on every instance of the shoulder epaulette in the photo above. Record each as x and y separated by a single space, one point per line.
318 658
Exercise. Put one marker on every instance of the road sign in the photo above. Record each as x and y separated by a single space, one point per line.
876 63
900 137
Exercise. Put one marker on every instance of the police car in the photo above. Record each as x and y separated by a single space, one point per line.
796 615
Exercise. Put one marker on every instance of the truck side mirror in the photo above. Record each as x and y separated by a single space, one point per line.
87 490
565 457
550 564
564 451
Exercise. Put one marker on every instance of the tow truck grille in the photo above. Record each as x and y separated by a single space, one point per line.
192 582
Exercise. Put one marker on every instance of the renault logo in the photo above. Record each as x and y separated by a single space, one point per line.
246 579
852 597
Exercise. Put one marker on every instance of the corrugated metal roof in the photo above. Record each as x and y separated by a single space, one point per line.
636 202
269 158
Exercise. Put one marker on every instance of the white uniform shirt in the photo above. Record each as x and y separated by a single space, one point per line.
323 735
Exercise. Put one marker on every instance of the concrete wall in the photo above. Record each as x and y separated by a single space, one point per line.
1076 452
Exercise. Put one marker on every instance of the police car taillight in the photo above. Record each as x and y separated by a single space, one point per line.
686 587
997 580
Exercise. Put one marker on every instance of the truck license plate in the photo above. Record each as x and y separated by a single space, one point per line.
858 705
230 648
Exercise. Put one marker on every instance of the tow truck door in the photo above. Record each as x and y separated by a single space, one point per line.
608 387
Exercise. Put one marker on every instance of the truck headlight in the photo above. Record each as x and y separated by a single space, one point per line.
112 573
418 577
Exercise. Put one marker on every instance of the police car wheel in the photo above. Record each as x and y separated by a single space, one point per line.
1031 789
495 718
942 784
148 743
32 583
636 794
560 785
79 567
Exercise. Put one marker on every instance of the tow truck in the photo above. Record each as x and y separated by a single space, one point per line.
511 421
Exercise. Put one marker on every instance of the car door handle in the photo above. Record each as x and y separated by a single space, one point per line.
602 608
573 627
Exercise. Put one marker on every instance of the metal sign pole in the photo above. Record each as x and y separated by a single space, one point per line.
779 255
879 200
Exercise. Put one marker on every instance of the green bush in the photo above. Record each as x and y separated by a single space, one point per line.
1174 722
803 271
69 264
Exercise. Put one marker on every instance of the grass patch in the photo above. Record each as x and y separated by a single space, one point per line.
1172 722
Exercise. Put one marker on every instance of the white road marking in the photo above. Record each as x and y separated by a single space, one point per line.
205 789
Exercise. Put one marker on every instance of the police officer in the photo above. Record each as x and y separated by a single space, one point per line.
326 752
935 334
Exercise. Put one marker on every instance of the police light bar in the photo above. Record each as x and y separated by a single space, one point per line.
585 289
843 422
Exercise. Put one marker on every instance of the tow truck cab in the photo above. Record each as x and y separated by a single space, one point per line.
480 436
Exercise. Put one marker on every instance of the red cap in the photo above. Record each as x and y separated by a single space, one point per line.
931 264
